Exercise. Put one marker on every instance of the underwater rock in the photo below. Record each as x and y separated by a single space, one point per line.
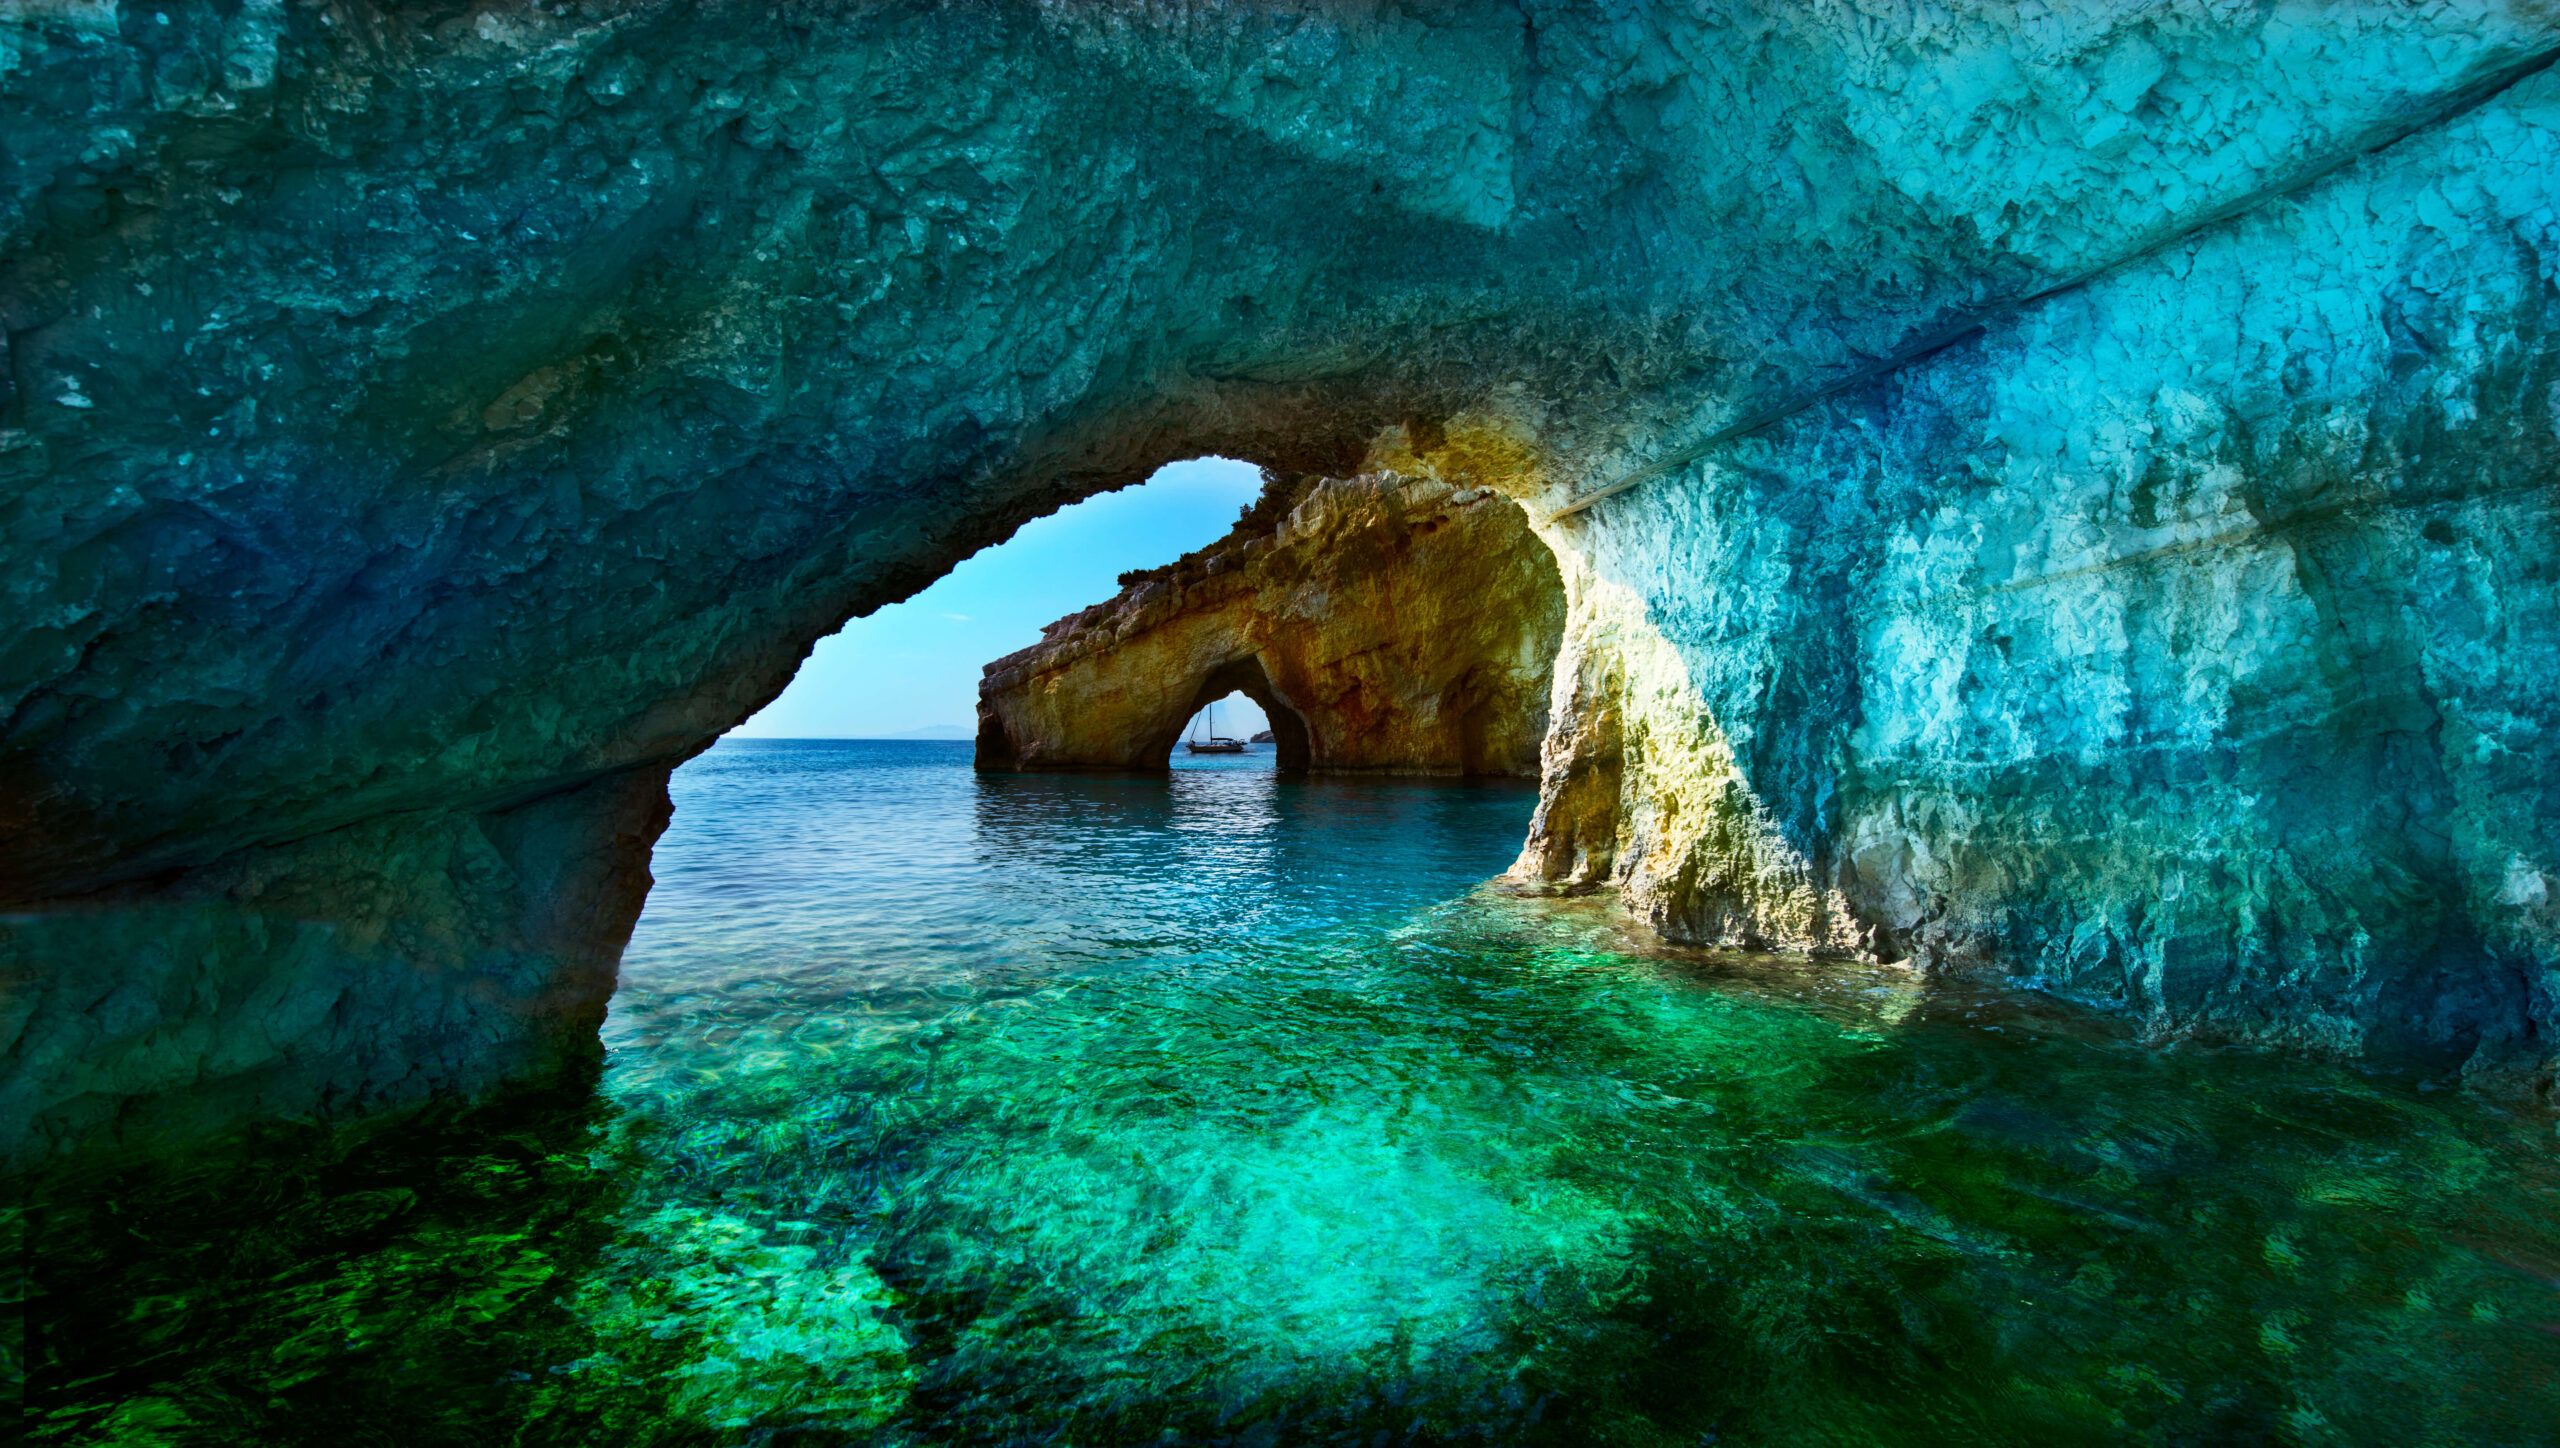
1384 624
2066 476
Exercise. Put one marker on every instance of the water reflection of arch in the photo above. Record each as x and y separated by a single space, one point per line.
1205 853
1197 844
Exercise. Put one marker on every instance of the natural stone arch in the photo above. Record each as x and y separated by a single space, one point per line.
426 427
1145 744
1386 623
1245 676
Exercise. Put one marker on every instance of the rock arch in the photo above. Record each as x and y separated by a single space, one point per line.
1246 676
425 427
1384 622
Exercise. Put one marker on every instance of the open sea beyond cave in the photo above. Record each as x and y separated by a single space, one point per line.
1236 1109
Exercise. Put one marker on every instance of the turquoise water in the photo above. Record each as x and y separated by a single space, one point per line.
1236 1109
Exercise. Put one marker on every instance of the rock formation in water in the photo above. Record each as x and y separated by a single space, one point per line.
2055 490
1384 624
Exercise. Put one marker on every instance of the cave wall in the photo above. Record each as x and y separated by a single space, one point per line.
359 970
416 415
1386 624
2186 640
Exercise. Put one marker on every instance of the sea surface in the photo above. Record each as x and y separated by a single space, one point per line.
1227 1108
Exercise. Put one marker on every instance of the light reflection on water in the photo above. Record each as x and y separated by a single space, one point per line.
1228 1108
853 886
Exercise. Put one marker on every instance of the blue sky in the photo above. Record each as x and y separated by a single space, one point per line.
914 665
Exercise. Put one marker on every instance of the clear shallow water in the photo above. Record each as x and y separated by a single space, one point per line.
1229 1109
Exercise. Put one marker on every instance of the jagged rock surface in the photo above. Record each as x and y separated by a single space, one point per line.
418 419
1384 624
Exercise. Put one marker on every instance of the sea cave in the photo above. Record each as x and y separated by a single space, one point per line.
1911 697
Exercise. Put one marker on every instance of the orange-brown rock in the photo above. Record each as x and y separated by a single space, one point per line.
1384 623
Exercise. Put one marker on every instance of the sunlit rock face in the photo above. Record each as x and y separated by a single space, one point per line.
1383 623
430 424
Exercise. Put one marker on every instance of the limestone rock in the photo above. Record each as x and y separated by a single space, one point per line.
2185 641
1384 623
412 417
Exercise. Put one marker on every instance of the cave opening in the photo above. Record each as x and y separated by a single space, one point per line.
1246 706
429 429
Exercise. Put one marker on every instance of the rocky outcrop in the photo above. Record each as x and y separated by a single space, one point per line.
1383 623
2065 474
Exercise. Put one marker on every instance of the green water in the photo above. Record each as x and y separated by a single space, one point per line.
1231 1110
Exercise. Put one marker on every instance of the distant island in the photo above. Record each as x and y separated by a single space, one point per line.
929 731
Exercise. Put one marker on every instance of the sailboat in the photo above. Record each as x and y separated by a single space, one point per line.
1205 738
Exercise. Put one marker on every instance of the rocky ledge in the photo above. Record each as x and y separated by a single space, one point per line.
1384 623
